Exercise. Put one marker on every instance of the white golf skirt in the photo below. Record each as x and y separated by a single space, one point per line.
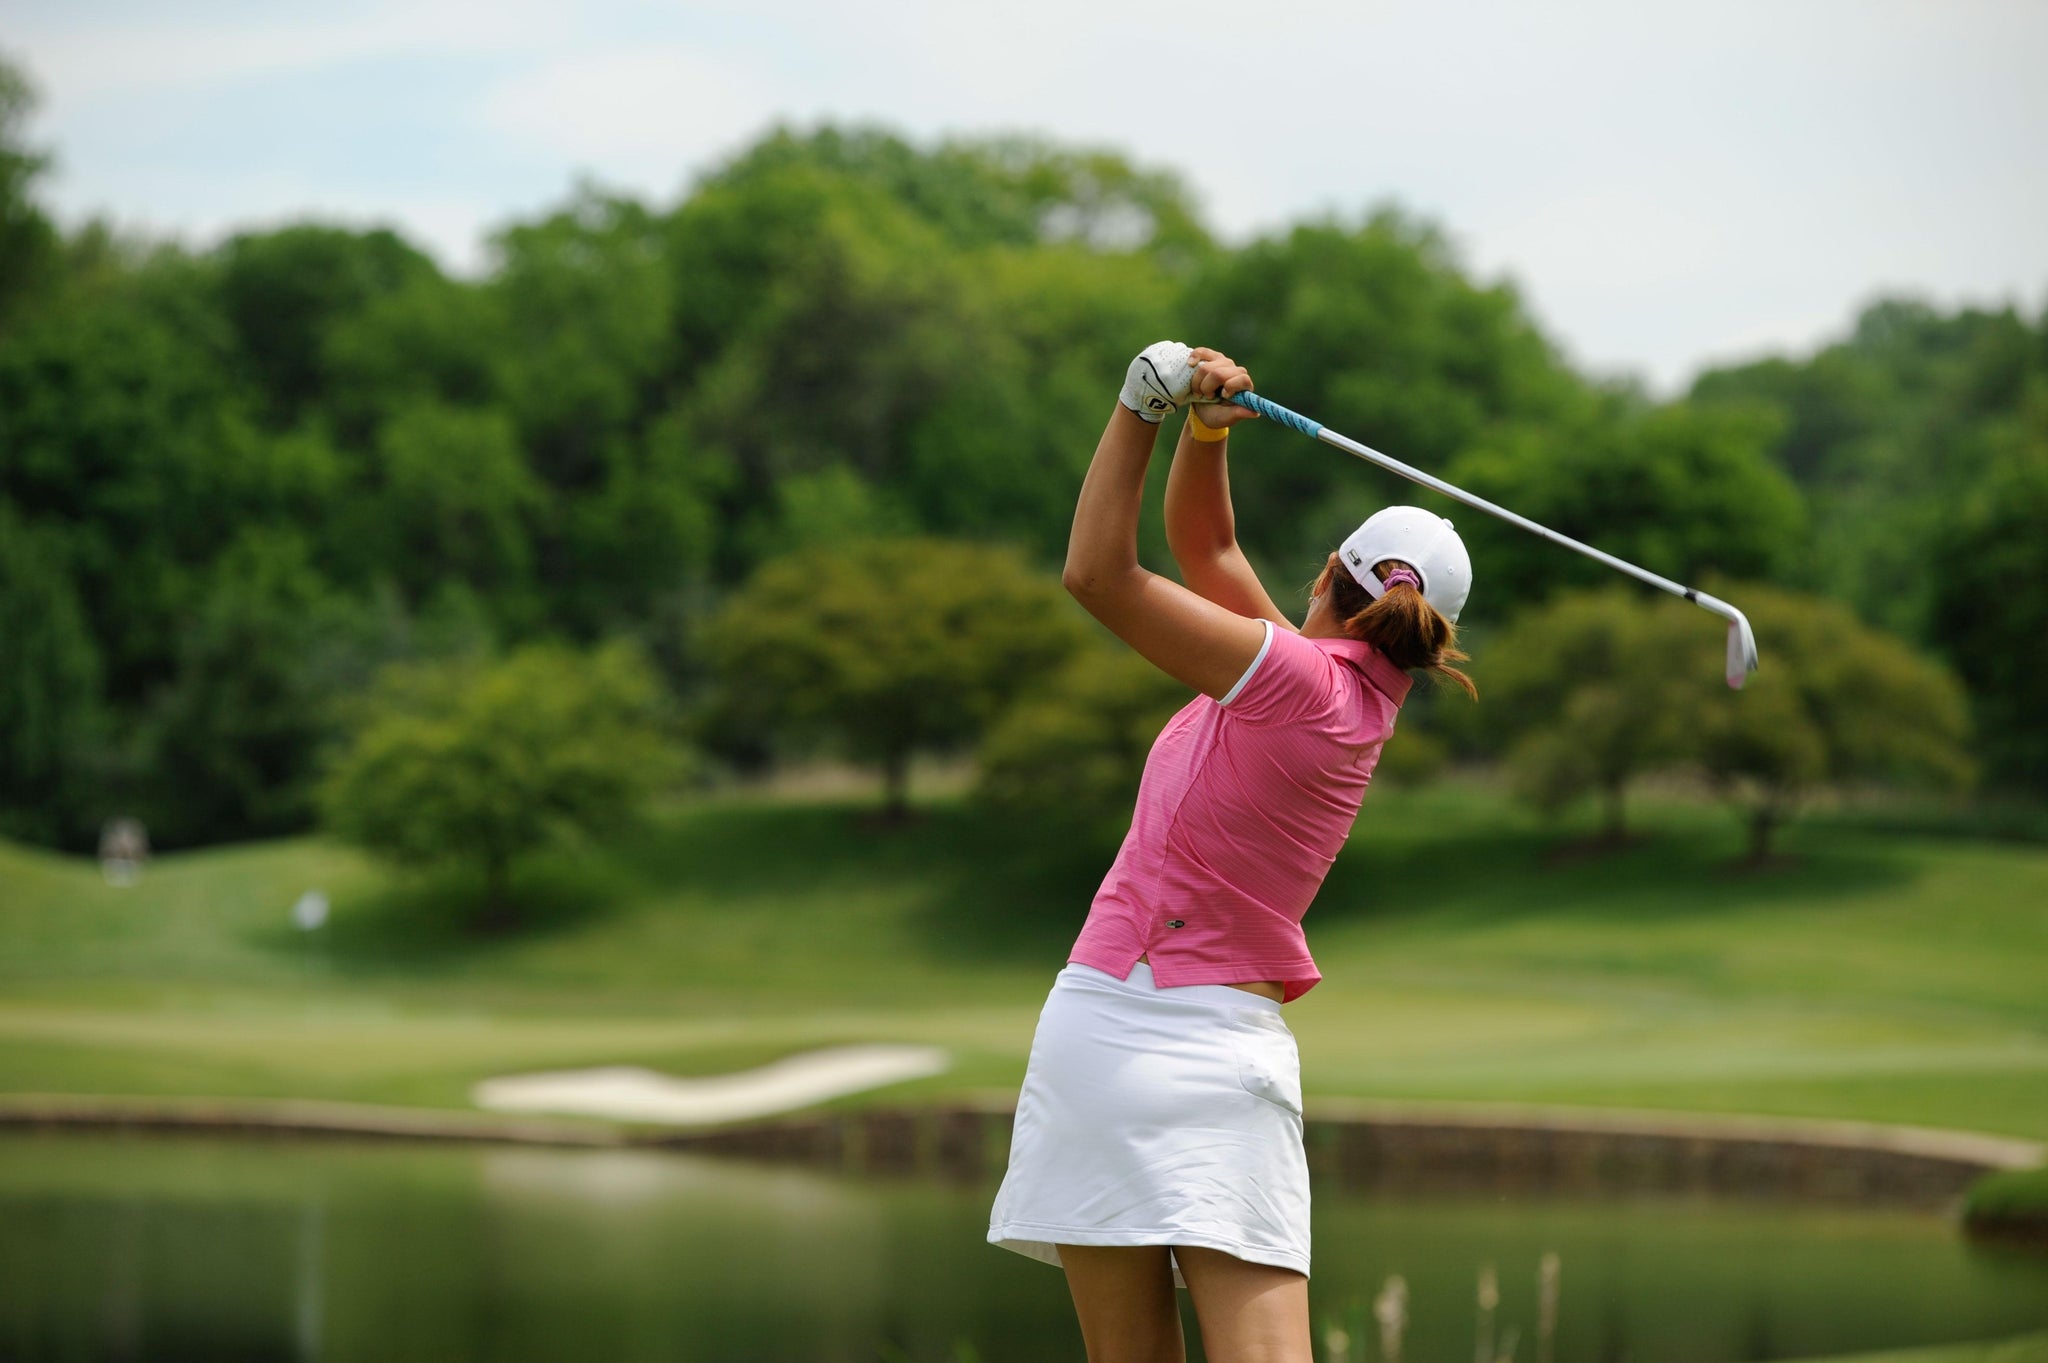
1157 1116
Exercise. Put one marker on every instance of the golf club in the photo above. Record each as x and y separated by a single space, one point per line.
1741 640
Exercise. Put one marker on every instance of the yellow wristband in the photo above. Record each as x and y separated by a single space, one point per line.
1206 434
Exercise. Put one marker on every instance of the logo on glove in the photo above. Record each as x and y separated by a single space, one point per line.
1158 380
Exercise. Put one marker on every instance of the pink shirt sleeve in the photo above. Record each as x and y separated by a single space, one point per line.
1290 680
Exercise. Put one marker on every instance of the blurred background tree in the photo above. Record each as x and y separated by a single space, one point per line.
1840 703
230 740
1069 754
1678 489
28 242
283 293
1890 433
889 646
1376 330
1595 690
482 763
50 716
1591 691
1990 571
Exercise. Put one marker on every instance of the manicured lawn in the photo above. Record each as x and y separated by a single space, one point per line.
1884 976
2025 1349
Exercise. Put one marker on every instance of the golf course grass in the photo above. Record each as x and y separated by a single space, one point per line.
1878 976
2026 1349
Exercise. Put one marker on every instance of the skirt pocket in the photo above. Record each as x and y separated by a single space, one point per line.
1268 1061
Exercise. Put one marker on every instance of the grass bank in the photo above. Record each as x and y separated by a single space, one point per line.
1882 977
2012 1204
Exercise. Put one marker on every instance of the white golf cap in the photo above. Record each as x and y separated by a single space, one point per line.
1423 540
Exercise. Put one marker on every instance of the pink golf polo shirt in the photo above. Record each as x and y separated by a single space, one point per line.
1244 804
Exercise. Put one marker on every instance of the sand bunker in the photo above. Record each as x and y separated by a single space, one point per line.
631 1093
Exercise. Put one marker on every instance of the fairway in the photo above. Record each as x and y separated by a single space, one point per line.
1882 977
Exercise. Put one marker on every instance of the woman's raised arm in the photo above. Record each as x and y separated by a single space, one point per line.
1201 529
1192 639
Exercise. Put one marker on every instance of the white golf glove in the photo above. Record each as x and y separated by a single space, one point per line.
1158 381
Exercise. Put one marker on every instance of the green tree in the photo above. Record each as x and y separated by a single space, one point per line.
1069 755
910 318
1591 691
1009 191
1890 432
644 538
1004 459
480 763
733 235
124 434
230 740
1990 573
1834 702
888 646
1377 331
868 321
1679 490
431 339
285 292
29 247
458 501
1832 406
585 298
50 715
589 304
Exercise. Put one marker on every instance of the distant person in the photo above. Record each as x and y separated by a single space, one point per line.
124 851
1158 1139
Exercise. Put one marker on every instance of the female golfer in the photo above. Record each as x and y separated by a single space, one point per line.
1158 1140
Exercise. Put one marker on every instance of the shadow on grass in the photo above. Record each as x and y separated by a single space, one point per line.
1666 869
1014 892
429 922
990 887
980 886
749 849
977 886
979 882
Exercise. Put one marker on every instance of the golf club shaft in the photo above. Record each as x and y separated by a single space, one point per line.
1315 429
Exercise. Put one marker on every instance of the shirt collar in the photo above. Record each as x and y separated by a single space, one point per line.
1377 667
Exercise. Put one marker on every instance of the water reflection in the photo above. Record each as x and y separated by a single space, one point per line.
310 1282
176 1248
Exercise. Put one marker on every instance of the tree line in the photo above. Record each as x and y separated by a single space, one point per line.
239 484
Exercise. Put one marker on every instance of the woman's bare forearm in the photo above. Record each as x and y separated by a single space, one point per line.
1102 548
1201 529
1199 521
1190 638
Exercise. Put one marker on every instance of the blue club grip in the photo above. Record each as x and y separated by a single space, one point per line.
1275 412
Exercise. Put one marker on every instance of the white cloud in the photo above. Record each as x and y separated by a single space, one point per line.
84 62
639 116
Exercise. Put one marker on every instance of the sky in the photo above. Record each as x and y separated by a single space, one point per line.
1669 185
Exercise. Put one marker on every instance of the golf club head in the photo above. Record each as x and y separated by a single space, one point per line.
1741 639
1741 652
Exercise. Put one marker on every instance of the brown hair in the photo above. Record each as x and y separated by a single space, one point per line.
1399 623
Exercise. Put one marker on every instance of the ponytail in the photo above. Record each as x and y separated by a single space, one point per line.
1400 624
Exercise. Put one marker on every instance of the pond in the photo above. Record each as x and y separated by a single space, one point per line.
183 1248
